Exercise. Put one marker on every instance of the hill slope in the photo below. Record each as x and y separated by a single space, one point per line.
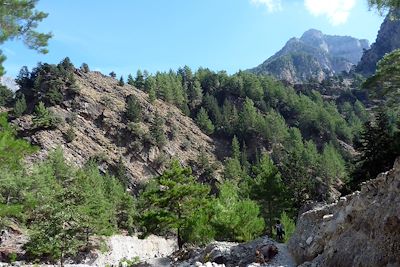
313 56
101 129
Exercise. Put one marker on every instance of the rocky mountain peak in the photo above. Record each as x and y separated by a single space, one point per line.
313 56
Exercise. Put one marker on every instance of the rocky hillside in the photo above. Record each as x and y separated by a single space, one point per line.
388 39
97 116
313 56
362 229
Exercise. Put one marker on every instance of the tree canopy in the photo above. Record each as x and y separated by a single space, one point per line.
19 20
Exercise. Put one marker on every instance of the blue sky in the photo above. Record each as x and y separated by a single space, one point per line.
125 35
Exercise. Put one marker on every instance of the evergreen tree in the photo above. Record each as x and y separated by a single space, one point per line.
133 109
171 200
85 67
20 106
379 146
130 80
19 20
44 118
6 95
235 219
204 122
139 80
157 131
121 81
268 189
235 148
113 74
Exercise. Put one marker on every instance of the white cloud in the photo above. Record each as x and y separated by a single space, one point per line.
272 5
337 11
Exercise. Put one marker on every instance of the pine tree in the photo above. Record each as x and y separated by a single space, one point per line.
157 131
268 189
44 118
19 20
121 81
139 80
20 106
171 201
204 122
85 68
133 109
113 74
6 96
130 80
235 219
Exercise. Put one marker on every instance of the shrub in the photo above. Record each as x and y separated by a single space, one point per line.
44 118
20 107
6 96
288 225
85 68
70 135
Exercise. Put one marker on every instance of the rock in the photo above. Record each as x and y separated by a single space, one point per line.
327 217
229 254
361 230
314 55
388 40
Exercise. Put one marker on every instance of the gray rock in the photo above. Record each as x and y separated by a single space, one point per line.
363 231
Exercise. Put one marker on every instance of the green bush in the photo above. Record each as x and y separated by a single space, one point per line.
69 135
44 118
6 96
288 225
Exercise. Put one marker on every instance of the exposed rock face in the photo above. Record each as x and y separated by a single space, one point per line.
101 130
315 55
362 229
234 254
388 40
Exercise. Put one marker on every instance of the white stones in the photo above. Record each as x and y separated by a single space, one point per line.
327 217
309 240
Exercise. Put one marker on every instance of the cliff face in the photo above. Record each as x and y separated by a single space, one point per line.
102 131
313 56
362 229
388 40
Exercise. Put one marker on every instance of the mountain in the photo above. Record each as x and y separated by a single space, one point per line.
388 39
9 82
313 56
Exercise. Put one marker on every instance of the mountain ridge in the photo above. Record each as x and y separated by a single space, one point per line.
313 56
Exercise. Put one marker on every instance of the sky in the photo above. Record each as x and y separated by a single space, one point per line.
158 35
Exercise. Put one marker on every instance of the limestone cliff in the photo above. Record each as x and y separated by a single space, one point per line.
361 229
388 40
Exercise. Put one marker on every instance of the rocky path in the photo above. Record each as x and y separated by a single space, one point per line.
283 259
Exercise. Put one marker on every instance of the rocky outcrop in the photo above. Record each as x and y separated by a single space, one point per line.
313 56
388 40
234 254
96 115
361 229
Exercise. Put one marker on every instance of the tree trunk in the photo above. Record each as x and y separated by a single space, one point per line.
180 241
